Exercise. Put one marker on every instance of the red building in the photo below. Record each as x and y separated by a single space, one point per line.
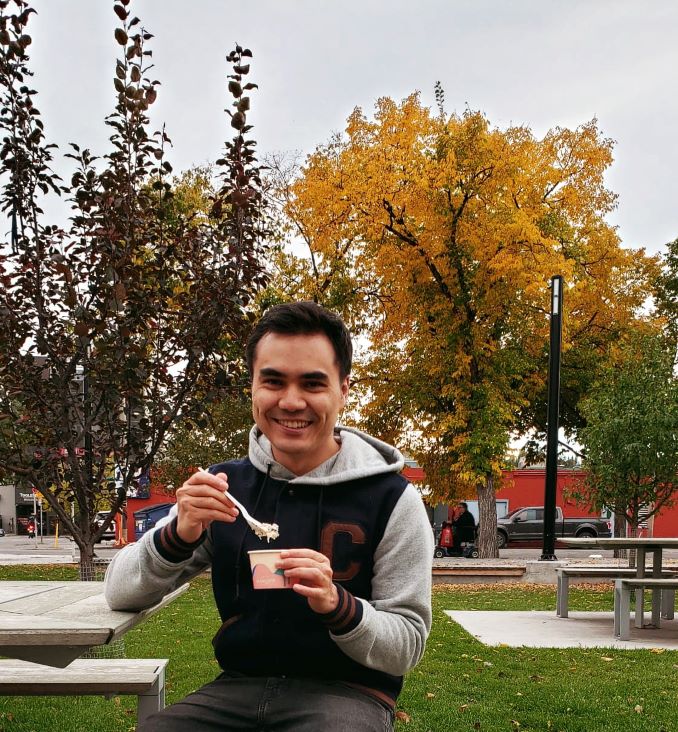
519 488
526 488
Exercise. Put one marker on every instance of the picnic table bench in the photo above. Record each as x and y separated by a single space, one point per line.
622 601
89 677
611 573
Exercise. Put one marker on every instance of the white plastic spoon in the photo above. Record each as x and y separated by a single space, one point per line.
260 528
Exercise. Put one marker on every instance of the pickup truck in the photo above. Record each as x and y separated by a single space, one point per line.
527 524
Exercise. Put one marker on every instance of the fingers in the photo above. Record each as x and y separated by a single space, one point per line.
207 491
219 481
299 554
201 500
311 575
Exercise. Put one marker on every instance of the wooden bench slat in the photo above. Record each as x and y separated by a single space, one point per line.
58 687
607 571
87 665
48 599
650 582
137 676
143 677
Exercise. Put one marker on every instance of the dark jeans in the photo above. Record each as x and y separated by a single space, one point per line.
275 705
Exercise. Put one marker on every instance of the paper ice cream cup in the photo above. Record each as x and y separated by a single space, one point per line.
265 575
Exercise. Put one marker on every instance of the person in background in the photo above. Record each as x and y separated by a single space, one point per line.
464 528
446 536
329 653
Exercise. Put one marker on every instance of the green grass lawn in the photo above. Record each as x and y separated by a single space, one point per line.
460 684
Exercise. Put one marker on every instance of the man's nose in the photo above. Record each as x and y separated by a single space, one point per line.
292 400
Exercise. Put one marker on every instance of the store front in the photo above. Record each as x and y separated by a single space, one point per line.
19 510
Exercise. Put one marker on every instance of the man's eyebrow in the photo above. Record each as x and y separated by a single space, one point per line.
316 375
270 372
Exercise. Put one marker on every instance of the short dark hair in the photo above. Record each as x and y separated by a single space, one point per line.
465 505
303 318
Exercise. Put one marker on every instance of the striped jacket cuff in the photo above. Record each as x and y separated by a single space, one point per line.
346 616
171 547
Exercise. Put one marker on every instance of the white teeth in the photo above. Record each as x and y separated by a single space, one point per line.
293 425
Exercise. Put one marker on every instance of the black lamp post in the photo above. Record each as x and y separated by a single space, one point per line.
552 417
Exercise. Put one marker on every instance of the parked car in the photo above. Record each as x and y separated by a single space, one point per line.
2 532
109 534
147 518
527 524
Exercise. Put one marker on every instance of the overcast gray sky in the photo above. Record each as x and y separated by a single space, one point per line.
543 63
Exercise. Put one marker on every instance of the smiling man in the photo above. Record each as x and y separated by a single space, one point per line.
330 652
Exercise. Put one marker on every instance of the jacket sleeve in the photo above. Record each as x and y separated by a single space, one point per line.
389 632
142 573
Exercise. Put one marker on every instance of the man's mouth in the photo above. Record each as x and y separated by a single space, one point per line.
293 424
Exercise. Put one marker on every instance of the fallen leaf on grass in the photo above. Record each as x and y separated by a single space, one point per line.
515 723
638 708
403 717
463 707
657 650
430 695
606 658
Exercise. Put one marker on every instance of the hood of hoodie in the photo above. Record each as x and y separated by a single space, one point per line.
359 456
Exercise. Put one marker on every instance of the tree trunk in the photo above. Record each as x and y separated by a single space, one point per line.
632 532
619 531
92 570
487 519
87 564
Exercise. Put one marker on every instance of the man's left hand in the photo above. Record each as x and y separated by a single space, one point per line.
311 574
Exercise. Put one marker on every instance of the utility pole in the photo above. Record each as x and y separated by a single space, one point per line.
35 517
552 417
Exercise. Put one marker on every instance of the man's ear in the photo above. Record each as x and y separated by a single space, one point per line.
345 386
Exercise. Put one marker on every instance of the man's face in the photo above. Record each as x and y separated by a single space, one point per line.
297 395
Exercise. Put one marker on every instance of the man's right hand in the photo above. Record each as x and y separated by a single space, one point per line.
201 500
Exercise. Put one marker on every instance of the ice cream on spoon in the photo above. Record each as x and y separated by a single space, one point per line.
260 528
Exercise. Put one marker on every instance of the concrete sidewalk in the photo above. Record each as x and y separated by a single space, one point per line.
543 629
23 550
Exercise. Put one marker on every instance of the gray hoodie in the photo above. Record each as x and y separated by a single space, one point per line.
393 623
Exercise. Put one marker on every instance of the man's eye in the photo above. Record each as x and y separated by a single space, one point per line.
315 384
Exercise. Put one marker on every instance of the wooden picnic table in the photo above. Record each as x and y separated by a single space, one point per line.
643 546
54 623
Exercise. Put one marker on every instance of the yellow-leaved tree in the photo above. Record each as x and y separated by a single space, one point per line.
437 235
